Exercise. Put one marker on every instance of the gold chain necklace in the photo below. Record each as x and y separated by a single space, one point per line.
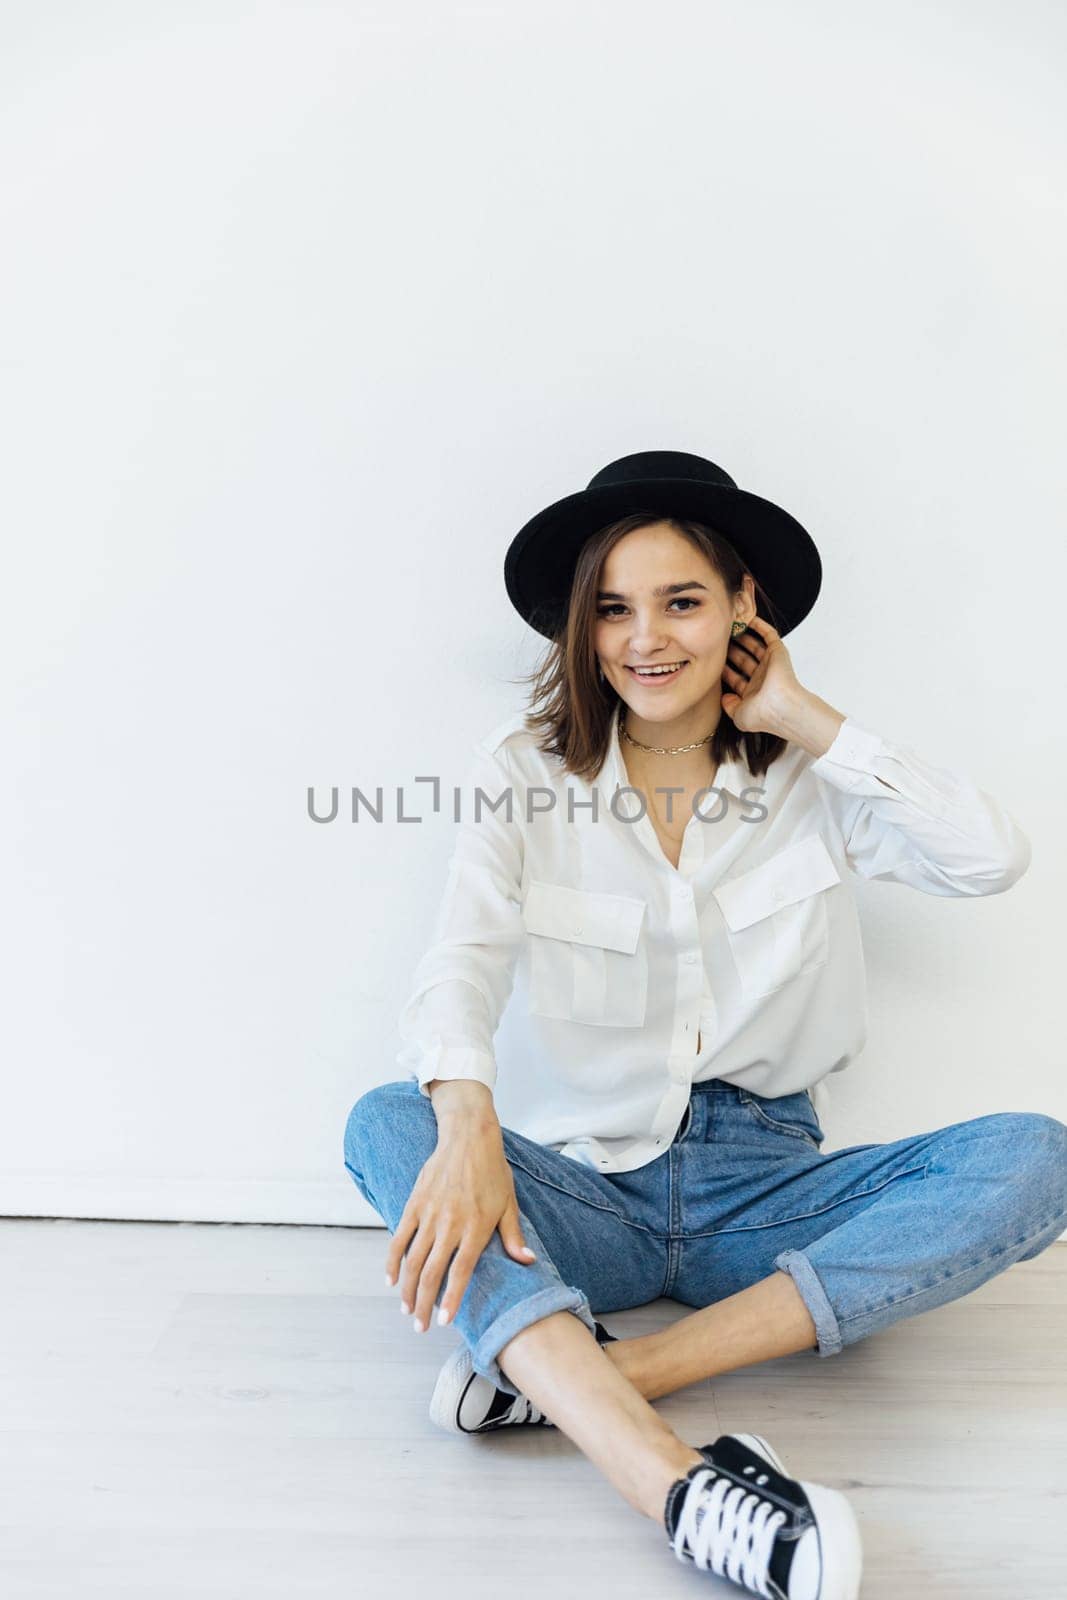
660 750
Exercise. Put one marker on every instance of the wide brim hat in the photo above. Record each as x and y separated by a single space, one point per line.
781 554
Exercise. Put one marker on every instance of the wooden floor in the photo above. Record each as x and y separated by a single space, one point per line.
217 1410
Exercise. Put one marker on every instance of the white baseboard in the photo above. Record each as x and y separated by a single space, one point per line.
330 1204
325 1204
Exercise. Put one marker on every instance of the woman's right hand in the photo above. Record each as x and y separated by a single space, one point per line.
463 1193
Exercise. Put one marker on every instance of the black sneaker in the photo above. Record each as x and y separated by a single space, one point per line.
465 1402
743 1517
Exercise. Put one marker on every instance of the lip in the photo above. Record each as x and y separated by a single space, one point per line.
660 679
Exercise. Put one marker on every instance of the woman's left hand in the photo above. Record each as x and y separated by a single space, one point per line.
760 678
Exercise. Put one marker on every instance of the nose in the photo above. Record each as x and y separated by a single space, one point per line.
647 636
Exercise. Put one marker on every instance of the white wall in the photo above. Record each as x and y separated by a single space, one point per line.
309 308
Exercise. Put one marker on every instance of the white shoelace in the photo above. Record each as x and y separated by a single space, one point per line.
523 1410
729 1529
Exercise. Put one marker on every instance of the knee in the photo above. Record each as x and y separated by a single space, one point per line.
1033 1135
381 1108
1035 1149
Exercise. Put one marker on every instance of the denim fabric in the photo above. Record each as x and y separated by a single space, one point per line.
869 1234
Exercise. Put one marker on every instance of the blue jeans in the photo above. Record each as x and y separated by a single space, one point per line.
869 1234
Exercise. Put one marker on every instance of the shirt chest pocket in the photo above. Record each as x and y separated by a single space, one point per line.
587 963
776 916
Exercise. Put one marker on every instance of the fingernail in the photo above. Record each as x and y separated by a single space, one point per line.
443 1316
390 1281
417 1325
405 1308
526 1250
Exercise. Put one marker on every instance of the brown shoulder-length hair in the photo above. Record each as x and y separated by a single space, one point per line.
572 709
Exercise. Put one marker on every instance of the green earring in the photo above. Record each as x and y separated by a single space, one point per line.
738 627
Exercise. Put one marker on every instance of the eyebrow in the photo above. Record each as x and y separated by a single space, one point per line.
664 589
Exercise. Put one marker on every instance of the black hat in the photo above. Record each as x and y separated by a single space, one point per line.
780 554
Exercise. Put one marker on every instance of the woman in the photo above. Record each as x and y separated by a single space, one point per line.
659 875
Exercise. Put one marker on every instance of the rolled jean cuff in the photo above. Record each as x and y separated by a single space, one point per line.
809 1287
558 1297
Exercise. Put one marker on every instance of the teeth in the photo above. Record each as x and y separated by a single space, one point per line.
655 672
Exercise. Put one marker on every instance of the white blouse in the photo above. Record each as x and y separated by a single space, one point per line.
604 982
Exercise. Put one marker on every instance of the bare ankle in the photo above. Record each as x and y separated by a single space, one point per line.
641 1361
676 1463
627 1358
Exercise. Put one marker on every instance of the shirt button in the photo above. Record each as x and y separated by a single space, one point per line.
691 958
779 893
578 929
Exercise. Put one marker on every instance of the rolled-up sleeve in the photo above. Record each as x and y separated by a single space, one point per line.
462 983
908 822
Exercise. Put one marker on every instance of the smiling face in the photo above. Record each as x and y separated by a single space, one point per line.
661 604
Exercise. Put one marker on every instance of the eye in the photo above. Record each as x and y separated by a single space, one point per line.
616 605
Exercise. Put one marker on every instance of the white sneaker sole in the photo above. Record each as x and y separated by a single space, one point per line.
837 1527
452 1380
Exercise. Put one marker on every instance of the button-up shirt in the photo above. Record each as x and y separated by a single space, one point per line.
589 983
